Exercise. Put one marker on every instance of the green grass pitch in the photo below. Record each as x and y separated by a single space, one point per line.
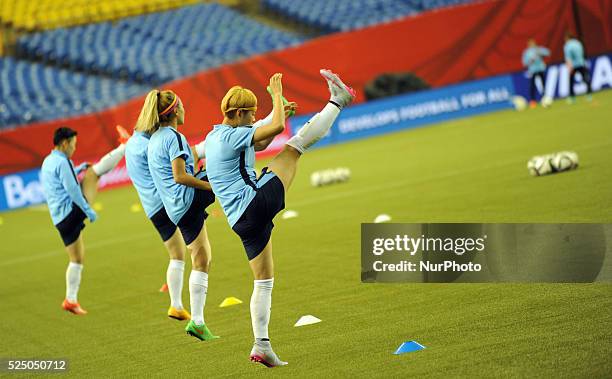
470 170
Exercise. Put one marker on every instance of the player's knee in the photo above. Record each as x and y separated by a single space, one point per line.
263 272
176 253
200 258
292 151
90 173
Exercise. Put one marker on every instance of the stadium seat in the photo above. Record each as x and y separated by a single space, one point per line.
157 47
110 62
32 92
49 14
342 15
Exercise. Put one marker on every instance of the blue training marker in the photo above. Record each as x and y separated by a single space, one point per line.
409 347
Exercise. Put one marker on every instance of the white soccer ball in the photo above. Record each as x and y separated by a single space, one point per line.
540 165
519 102
573 156
342 174
315 179
327 176
546 101
346 172
565 160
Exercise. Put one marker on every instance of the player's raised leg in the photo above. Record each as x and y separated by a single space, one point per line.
285 163
89 184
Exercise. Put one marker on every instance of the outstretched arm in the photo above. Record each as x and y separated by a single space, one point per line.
277 125
289 108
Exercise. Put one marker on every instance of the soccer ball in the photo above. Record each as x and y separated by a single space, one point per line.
342 174
539 165
551 163
519 102
546 101
315 179
330 176
565 160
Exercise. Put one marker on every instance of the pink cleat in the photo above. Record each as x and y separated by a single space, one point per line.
340 92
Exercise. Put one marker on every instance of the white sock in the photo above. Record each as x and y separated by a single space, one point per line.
315 129
261 304
109 161
200 150
73 281
174 279
198 287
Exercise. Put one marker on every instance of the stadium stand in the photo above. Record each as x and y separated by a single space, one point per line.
138 48
343 15
34 92
117 56
30 15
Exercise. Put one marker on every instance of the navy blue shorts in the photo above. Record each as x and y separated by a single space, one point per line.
192 221
165 227
70 227
255 225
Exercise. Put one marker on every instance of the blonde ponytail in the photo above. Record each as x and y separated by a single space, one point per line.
148 120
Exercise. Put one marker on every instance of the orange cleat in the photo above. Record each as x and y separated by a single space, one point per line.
178 314
74 308
533 104
124 135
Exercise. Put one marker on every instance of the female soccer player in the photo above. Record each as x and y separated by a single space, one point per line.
68 201
251 203
138 170
183 195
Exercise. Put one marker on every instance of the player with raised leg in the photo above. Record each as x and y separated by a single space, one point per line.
69 201
138 170
184 194
250 202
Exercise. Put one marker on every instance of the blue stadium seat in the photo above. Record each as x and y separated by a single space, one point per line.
343 15
124 59
32 92
158 47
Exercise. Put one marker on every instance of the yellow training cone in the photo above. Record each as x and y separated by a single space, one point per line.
229 301
135 208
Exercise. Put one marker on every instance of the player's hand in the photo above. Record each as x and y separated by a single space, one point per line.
92 215
82 167
290 108
276 86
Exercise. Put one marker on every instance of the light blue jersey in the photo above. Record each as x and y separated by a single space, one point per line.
62 187
230 161
532 59
574 53
166 145
138 170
